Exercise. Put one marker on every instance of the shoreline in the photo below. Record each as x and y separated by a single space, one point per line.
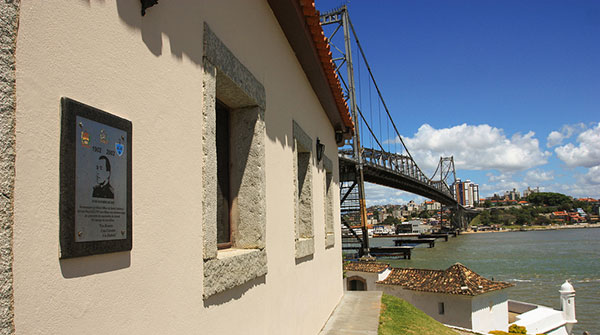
537 228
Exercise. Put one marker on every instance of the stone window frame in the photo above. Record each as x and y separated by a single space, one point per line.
328 202
225 78
303 207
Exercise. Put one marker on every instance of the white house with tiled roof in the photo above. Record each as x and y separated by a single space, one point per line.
363 276
455 296
460 297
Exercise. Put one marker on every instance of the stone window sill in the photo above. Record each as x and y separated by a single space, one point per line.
233 267
305 247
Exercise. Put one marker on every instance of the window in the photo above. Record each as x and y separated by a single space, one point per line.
223 190
441 308
303 193
233 170
357 283
328 205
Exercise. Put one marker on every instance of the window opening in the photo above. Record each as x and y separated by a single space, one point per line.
223 177
441 308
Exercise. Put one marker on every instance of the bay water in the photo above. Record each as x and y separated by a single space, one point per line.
536 262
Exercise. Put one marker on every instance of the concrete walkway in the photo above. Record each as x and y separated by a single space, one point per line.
357 313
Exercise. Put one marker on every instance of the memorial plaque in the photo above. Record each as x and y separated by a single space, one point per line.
95 167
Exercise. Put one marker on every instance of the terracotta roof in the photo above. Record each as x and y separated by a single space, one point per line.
312 18
365 266
457 279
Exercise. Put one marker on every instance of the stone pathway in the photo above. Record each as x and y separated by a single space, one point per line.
357 313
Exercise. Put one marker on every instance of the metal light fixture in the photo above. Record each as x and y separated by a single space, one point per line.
320 150
147 4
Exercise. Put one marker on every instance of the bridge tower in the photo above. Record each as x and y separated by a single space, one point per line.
353 205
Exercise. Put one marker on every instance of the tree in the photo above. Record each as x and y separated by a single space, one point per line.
390 220
542 220
549 199
522 218
484 218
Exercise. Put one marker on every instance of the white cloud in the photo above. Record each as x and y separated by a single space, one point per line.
586 154
380 195
476 147
554 138
502 178
581 189
557 137
538 176
489 189
592 177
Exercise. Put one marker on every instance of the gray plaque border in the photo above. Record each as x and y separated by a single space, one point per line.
68 247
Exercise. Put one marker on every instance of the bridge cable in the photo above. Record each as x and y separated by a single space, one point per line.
379 92
370 130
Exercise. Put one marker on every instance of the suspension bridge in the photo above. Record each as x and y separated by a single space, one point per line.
387 161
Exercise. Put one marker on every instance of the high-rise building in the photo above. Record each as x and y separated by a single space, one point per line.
466 192
529 191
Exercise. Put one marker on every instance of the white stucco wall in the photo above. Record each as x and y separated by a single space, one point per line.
490 311
369 277
149 71
457 309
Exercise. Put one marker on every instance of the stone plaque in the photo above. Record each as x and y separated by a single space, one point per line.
95 178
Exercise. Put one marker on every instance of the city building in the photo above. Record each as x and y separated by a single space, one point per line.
413 227
513 195
530 191
466 193
219 124
432 205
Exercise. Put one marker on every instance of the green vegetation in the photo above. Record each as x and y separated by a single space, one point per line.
400 317
513 329
390 220
536 214
550 199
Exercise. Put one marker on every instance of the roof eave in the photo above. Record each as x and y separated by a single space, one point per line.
293 23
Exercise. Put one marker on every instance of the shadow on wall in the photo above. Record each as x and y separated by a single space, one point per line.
89 265
233 293
183 27
175 19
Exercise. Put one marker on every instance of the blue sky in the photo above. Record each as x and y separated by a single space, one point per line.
511 89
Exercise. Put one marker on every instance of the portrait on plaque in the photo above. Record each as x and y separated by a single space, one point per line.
95 181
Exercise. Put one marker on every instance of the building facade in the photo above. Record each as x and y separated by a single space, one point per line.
466 193
250 81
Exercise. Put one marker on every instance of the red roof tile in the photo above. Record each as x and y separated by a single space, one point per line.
363 266
457 279
312 18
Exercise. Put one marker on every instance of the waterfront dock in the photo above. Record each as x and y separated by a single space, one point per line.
405 241
398 251
443 235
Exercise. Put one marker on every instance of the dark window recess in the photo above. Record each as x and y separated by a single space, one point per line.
356 285
441 308
223 187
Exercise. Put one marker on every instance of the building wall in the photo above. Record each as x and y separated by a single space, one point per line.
369 277
457 309
490 311
149 71
9 18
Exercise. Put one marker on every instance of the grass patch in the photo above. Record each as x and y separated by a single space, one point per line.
400 317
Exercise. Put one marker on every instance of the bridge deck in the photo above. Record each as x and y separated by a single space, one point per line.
386 177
